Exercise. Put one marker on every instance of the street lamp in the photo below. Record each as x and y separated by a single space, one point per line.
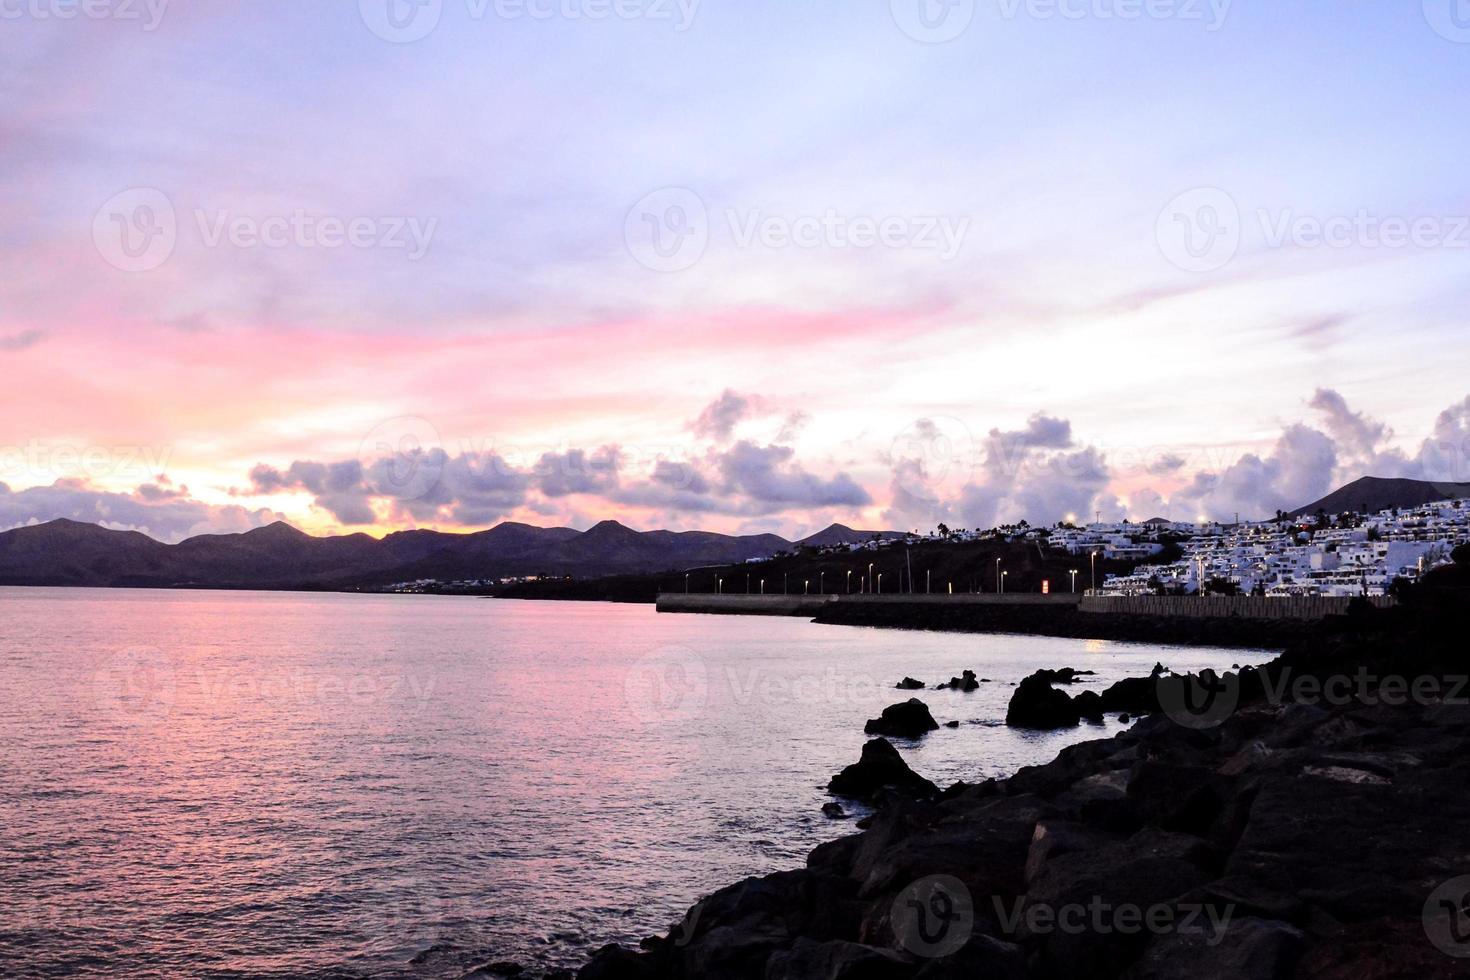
1093 555
870 576
1073 573
821 583
763 586
997 575
849 581
880 583
719 586
806 588
1003 576
686 583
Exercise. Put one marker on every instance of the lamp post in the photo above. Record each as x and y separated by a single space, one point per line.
747 583
763 586
849 581
1003 582
880 583
1093 555
870 576
997 576
806 588
686 583
719 586
821 583
1073 573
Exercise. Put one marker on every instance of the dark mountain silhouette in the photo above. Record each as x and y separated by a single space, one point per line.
1372 493
842 534
67 553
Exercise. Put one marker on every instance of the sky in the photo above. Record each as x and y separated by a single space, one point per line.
746 266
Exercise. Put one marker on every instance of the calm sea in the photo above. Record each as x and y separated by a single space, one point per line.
272 785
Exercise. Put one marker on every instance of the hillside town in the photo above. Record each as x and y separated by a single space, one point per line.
1341 555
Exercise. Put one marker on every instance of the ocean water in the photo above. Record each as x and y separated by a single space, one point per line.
275 785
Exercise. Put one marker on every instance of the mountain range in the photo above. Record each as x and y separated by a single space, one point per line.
68 553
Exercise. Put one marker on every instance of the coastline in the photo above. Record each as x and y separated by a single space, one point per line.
1285 835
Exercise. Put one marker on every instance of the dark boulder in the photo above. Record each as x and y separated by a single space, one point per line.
1036 704
981 957
1244 949
965 682
909 684
908 719
837 960
834 811
880 768
618 963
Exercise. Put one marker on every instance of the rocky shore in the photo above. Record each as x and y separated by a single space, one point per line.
1309 819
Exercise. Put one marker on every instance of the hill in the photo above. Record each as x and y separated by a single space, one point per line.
67 553
1373 493
842 534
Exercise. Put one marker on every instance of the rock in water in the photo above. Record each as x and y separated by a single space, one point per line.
965 682
834 811
910 719
880 768
1036 704
909 684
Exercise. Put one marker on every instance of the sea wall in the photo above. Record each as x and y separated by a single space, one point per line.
742 605
1229 607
